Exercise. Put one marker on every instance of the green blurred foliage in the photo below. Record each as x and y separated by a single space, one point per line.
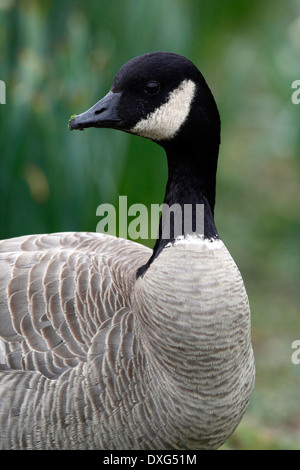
59 57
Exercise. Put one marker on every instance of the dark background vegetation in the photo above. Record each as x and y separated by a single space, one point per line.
58 57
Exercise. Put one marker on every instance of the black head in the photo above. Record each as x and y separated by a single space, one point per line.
161 96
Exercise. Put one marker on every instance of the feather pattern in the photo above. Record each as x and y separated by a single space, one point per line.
100 360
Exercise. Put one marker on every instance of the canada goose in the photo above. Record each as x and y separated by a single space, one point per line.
108 345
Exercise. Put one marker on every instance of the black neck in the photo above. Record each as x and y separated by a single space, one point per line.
191 181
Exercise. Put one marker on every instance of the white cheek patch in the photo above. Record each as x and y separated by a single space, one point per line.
165 121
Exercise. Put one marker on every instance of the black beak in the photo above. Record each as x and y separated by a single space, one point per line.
102 114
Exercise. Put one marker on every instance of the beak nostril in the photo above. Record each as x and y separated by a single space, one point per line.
99 111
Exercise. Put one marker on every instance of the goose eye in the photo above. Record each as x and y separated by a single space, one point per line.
152 88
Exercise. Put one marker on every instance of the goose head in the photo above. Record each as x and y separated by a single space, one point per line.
163 97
